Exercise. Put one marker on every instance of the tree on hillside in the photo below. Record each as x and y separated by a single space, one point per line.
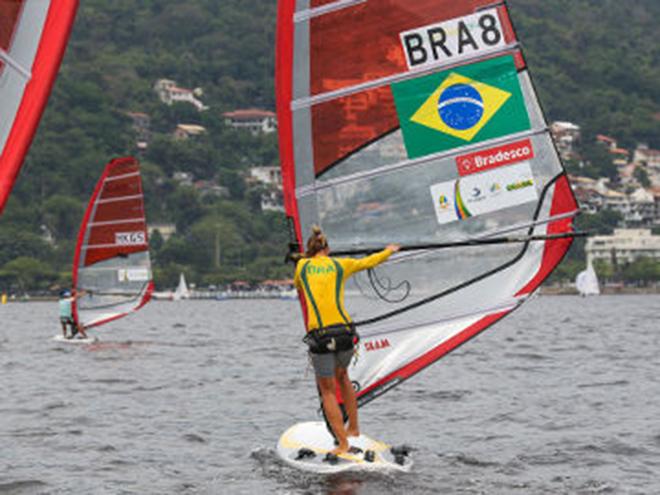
63 215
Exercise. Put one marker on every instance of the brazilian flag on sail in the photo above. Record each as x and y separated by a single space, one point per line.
460 107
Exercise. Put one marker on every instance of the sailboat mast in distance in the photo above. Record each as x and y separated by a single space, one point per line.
33 37
181 291
417 122
586 281
112 268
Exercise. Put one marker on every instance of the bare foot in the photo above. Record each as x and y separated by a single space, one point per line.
341 449
353 432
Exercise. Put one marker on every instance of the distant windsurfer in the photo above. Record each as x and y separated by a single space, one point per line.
330 332
66 315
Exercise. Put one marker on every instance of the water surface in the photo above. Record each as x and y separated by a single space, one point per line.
190 397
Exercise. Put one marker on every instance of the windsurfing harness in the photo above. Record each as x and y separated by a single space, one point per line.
336 338
417 122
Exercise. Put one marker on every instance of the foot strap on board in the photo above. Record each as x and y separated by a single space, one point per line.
403 450
370 456
400 454
331 458
305 454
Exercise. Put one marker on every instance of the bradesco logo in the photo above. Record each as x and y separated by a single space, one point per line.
130 238
473 163
453 40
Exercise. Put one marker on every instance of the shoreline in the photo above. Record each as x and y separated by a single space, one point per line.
544 291
604 291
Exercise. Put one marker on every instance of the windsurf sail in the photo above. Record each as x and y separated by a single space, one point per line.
181 291
416 122
586 281
33 37
112 269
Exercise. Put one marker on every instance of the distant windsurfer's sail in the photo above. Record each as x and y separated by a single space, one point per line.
417 122
33 36
112 268
586 281
181 291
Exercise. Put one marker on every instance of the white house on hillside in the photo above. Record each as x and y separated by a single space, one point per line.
254 120
166 230
271 176
186 131
170 93
644 154
566 136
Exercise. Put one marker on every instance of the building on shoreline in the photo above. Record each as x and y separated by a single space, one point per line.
623 246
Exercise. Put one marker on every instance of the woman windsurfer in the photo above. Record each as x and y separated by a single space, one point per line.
330 332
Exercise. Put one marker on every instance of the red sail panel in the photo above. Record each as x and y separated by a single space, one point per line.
564 203
33 38
375 28
345 125
116 225
9 11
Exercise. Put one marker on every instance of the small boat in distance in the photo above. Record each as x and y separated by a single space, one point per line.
181 291
586 281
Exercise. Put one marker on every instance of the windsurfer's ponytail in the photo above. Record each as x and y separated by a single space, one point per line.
316 243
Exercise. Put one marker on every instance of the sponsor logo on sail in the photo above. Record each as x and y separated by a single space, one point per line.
453 40
460 207
133 275
376 345
130 238
495 157
453 109
480 194
521 184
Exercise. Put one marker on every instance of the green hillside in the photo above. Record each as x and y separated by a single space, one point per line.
595 63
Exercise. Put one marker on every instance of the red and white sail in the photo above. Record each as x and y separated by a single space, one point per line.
416 122
33 37
112 273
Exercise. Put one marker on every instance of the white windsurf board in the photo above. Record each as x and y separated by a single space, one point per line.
305 446
75 340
